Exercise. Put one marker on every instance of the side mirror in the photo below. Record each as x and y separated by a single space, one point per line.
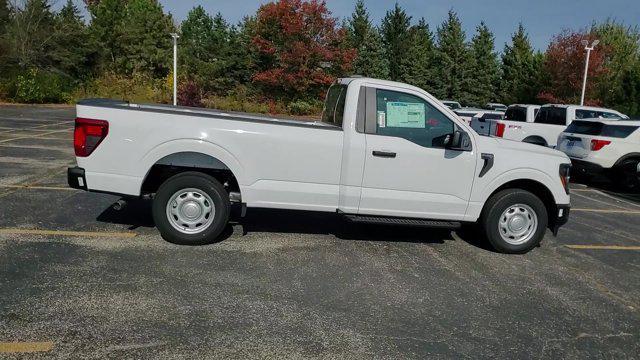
459 140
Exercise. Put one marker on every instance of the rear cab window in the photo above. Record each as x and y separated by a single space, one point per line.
516 113
333 111
552 115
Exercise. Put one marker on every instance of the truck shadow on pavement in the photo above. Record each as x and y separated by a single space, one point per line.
137 214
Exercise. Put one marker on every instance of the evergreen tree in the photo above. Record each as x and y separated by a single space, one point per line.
105 28
70 48
239 57
4 15
617 88
371 60
144 39
454 62
5 18
520 70
359 25
29 35
395 35
486 68
417 67
197 45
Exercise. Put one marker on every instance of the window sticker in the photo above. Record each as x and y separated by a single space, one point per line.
382 119
405 115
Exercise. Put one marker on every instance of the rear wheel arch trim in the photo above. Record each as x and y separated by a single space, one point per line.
625 158
538 140
204 148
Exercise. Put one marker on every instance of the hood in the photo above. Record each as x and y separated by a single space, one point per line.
529 148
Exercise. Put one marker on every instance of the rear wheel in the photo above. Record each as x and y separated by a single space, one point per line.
626 176
514 221
191 208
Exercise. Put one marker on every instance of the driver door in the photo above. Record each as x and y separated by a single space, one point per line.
408 172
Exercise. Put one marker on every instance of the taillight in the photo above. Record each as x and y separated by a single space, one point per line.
597 144
500 129
88 135
565 170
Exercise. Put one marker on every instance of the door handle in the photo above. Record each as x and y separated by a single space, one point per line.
386 154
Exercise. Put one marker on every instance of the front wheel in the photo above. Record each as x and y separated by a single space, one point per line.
514 221
191 208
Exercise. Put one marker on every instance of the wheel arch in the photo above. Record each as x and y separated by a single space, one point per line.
634 155
183 161
535 139
536 188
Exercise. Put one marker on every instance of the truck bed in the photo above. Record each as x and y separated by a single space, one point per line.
211 113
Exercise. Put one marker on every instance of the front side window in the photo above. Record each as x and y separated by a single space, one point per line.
411 118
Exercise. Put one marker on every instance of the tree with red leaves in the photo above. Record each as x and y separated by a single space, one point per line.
298 48
564 69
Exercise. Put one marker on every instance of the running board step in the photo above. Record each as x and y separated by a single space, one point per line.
369 219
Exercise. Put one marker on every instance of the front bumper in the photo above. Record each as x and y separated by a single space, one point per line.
561 217
76 178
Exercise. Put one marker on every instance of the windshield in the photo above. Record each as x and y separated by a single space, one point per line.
333 111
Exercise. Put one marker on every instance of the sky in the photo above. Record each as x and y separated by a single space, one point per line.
542 18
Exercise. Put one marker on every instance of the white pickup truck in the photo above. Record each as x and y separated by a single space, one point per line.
548 123
385 152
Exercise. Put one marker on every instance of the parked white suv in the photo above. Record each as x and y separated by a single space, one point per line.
608 147
550 121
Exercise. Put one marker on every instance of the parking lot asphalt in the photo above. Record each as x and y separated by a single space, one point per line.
81 280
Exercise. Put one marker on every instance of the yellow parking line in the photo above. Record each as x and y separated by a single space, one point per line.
608 211
25 347
10 231
33 136
35 127
38 187
602 247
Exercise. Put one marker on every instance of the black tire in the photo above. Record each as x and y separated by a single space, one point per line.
499 203
625 176
204 183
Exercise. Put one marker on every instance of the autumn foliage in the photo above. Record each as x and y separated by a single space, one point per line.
564 69
300 50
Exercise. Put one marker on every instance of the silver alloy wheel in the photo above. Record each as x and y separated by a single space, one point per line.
190 211
517 224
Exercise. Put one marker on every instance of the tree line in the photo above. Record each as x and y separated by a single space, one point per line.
283 58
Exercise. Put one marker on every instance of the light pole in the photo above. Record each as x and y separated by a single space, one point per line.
586 65
175 37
